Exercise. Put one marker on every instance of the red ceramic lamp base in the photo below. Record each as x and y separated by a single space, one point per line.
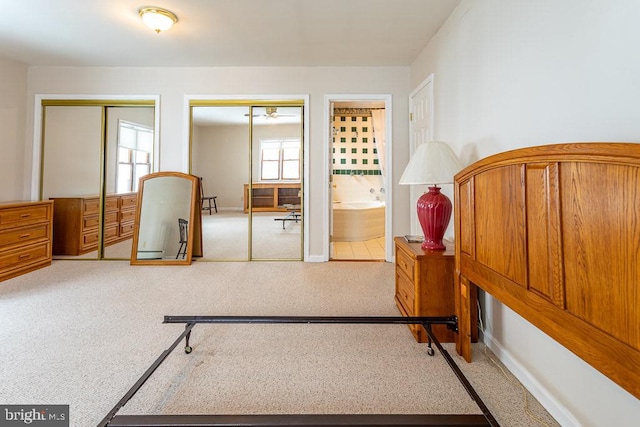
434 213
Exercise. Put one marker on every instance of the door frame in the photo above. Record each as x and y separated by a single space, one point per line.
326 193
414 190
190 99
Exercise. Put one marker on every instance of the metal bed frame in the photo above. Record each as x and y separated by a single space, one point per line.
112 419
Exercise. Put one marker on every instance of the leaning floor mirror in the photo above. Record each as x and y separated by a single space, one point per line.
168 228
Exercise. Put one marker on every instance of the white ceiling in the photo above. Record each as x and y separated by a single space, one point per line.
213 33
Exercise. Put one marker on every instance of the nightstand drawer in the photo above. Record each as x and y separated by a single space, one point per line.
405 263
405 293
424 286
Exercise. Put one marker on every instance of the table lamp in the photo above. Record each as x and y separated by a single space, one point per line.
433 163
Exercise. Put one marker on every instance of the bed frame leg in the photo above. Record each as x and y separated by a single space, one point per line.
187 348
430 350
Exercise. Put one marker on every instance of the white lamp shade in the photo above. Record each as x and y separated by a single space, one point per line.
433 163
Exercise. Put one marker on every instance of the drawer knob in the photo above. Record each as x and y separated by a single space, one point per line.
25 256
25 236
25 215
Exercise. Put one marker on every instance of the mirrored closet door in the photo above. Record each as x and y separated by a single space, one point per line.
93 155
249 156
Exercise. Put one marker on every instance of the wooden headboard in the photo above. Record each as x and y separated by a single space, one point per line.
553 232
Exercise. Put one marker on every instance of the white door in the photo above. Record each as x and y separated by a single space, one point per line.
420 130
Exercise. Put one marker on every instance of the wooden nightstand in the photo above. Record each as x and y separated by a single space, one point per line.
424 286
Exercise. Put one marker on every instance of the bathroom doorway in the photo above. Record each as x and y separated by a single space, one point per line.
358 180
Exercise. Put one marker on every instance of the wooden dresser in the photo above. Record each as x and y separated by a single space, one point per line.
271 197
424 286
25 237
76 222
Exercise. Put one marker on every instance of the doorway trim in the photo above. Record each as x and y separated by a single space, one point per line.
415 190
326 201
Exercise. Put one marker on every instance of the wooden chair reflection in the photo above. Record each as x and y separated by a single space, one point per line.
183 225
207 200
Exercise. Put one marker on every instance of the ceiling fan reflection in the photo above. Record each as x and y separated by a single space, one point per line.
271 113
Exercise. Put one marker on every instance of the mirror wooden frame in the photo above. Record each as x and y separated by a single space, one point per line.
194 235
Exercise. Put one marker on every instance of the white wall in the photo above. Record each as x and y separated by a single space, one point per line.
13 110
514 73
173 84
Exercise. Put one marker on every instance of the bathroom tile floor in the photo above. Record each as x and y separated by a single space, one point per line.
368 250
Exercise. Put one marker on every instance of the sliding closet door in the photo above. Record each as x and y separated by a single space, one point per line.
220 156
71 177
129 154
276 169
250 158
93 155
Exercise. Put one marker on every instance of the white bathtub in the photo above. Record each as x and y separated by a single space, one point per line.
357 221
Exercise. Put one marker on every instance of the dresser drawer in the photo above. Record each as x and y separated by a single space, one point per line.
91 206
23 235
90 223
111 204
111 233
89 240
126 216
129 202
126 229
23 257
405 293
110 218
21 216
405 263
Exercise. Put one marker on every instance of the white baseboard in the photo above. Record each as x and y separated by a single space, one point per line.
557 410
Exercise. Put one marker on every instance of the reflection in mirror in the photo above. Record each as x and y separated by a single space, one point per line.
129 157
71 177
167 220
276 220
225 143
76 139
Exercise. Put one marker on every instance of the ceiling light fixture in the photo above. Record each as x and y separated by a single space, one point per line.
157 19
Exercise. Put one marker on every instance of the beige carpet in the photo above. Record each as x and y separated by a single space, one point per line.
82 332
225 236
